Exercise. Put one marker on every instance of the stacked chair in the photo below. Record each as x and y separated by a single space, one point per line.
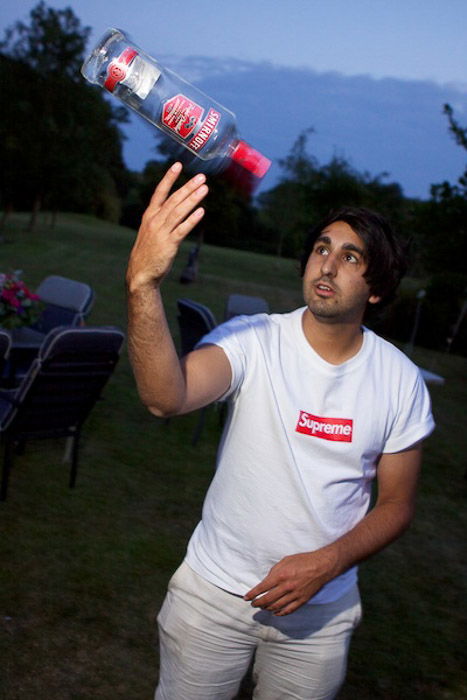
66 302
194 321
57 393
238 304
5 347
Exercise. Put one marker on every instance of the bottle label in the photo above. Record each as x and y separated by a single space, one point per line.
206 131
181 115
184 117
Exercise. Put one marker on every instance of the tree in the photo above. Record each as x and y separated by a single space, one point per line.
61 135
442 221
308 191
18 144
440 225
460 136
53 43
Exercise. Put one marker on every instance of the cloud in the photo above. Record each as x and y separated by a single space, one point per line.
378 125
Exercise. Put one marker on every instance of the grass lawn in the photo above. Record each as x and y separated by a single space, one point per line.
84 571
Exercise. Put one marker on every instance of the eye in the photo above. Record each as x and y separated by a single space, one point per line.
351 258
321 250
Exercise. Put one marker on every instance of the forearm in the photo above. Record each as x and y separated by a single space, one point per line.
296 578
154 359
168 219
381 526
397 485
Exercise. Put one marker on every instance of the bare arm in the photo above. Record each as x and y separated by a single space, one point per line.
294 579
165 385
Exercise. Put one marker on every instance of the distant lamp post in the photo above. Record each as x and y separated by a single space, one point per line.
421 294
456 326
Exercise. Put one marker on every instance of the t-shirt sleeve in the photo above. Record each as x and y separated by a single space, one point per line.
233 337
413 420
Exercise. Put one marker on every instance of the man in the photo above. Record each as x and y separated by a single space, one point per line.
319 407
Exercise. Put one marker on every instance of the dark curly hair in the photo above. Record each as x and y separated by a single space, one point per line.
385 255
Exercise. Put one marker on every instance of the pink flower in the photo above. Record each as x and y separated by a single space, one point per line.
9 295
18 305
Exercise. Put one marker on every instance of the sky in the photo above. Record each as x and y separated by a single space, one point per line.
410 40
413 39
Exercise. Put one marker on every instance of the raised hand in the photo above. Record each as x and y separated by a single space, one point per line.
168 219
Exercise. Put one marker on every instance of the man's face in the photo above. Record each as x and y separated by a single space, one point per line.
334 287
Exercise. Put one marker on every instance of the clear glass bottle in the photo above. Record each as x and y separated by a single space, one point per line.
189 116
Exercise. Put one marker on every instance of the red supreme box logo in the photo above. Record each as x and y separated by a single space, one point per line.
338 429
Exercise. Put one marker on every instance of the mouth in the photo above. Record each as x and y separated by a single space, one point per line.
324 289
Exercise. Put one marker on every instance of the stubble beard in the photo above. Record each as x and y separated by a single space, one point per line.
324 310
332 310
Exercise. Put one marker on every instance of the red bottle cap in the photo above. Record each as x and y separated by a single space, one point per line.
250 159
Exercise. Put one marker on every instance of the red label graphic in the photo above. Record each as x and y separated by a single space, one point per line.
181 115
337 429
205 133
116 72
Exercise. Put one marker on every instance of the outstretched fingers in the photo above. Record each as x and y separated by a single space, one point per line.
178 212
162 194
187 224
181 211
162 190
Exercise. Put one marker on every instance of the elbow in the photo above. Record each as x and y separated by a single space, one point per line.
160 412
406 514
160 409
162 404
156 411
400 516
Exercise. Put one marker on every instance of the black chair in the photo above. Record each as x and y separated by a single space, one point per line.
5 347
194 321
244 304
67 302
59 391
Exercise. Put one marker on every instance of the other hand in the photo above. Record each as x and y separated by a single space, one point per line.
293 581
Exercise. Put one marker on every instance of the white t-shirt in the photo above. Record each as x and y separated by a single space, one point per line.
298 452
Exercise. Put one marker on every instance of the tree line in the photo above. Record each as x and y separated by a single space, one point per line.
61 149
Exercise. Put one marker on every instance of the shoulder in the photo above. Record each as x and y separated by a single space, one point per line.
402 393
395 374
244 329
386 353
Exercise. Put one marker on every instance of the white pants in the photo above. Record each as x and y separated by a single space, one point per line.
208 637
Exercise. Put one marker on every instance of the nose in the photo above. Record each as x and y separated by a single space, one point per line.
329 265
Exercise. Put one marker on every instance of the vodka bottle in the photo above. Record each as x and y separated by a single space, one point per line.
189 116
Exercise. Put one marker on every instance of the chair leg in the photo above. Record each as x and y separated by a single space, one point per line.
199 428
20 447
7 464
222 412
68 450
74 459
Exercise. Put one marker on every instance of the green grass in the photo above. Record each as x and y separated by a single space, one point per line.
84 571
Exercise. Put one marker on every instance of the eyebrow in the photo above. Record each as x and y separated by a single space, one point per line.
346 246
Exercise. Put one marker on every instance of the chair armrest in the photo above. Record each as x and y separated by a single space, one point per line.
10 396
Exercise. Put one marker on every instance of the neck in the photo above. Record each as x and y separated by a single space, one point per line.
334 342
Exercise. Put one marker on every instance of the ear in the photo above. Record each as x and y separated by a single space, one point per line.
374 299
